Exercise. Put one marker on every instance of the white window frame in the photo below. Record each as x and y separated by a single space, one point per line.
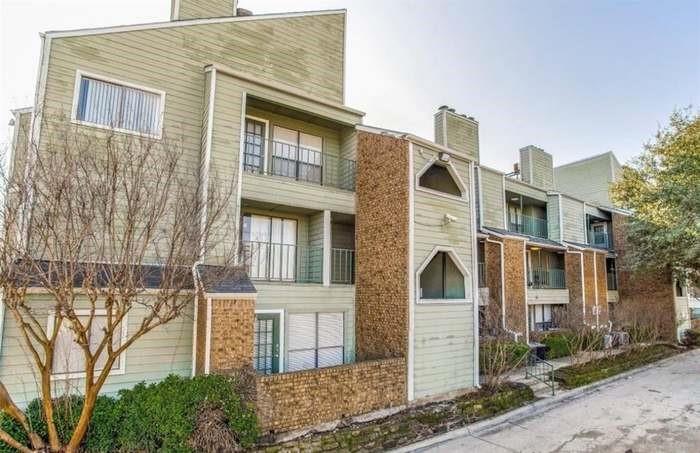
465 273
344 335
79 74
266 137
455 176
283 330
85 312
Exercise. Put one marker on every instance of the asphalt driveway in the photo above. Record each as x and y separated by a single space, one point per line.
656 410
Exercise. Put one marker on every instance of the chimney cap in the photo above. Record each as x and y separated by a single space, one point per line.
243 12
444 107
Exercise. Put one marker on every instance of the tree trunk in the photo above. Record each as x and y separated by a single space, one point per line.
47 406
84 421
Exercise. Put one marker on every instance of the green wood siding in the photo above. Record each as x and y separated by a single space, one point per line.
202 9
163 351
516 186
443 342
553 218
573 222
536 167
311 298
589 179
491 187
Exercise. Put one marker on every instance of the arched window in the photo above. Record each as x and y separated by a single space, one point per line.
442 279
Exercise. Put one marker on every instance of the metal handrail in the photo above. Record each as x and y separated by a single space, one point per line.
539 369
282 262
482 275
272 157
598 238
529 225
342 266
547 279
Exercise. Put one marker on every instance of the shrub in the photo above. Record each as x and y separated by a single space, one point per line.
691 338
155 417
557 345
497 357
567 343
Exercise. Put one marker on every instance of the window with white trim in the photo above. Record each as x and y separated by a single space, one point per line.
316 340
442 279
69 359
118 106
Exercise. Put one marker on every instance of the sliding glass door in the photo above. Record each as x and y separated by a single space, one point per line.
270 247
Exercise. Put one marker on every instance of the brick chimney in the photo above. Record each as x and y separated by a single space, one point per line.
202 9
457 131
536 167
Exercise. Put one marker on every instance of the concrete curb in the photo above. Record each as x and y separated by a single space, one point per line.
535 408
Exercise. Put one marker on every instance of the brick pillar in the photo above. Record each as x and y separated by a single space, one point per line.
492 261
515 285
382 245
589 282
225 338
603 314
574 311
645 297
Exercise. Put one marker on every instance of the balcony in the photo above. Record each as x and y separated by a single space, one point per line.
270 157
482 275
532 226
266 261
547 279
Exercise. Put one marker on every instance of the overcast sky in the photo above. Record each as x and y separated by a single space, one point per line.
576 78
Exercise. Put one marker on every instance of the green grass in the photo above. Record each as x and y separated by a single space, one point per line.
596 370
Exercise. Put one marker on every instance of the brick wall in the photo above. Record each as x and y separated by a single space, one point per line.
572 265
201 334
232 330
381 242
515 285
648 296
492 261
603 316
306 398
589 284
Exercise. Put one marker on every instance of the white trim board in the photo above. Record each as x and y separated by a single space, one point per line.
449 166
186 23
410 365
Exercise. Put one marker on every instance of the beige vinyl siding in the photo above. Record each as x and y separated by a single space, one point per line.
311 298
553 218
200 9
613 296
594 211
536 167
443 341
492 196
573 221
20 144
516 186
348 144
588 179
163 351
547 296
462 134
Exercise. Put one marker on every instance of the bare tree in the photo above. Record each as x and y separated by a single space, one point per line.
106 225
499 353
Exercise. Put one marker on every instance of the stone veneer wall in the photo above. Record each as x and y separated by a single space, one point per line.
572 266
200 350
589 283
381 247
301 399
232 331
650 294
492 261
603 316
515 285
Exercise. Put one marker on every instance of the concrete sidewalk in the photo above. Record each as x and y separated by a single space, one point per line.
650 409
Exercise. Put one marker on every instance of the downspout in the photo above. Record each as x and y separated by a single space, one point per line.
475 275
527 313
197 286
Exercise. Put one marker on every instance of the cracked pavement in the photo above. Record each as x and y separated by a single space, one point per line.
656 410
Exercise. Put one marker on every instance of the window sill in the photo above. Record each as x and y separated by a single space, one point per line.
443 301
116 129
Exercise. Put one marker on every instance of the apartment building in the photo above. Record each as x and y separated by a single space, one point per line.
357 244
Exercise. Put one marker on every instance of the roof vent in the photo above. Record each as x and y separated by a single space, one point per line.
243 12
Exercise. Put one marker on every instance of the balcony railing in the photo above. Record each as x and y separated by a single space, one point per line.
599 239
529 225
296 162
547 279
612 281
545 326
343 266
482 275
283 262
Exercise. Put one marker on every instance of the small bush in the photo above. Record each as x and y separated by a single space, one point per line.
155 417
691 338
